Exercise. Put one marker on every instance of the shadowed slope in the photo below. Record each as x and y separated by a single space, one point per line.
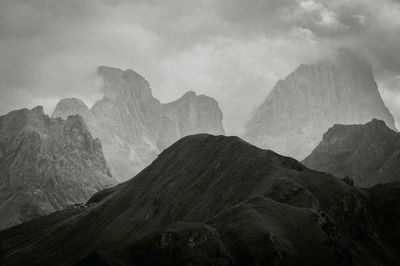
255 206
369 154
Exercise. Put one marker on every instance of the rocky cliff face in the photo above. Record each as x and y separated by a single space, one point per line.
209 200
46 164
369 154
338 90
134 126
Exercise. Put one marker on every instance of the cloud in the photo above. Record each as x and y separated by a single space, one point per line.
233 50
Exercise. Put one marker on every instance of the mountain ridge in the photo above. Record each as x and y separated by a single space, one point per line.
254 206
46 164
133 124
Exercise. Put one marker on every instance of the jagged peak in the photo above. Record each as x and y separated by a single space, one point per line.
192 95
126 75
38 110
124 85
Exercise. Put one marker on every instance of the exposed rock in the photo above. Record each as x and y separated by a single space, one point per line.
369 154
135 127
46 164
338 90
192 114
210 200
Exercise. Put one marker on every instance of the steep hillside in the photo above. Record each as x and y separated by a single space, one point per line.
210 200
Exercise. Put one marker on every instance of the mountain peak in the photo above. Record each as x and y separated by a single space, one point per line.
377 122
336 90
38 110
133 126
367 153
70 106
211 200
127 74
125 85
51 163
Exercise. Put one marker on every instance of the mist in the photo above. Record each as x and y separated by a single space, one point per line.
234 51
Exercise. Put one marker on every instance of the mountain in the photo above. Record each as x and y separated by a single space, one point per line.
135 127
336 90
216 200
369 154
46 164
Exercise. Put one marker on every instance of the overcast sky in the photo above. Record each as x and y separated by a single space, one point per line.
232 50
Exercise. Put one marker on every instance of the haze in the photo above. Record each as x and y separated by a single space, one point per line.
234 51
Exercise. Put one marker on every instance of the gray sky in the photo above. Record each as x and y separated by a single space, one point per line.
232 50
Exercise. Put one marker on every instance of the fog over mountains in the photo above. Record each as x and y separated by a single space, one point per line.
135 127
300 108
200 133
185 198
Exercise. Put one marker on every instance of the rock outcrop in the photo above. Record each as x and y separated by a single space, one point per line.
135 127
46 164
367 154
209 200
337 90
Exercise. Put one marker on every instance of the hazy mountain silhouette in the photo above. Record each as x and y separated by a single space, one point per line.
133 126
301 108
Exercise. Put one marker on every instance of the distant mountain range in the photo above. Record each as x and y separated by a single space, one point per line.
210 200
135 127
301 108
204 199
46 164
368 154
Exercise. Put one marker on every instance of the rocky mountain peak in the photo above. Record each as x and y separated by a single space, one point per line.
369 153
336 90
133 126
46 164
70 106
125 85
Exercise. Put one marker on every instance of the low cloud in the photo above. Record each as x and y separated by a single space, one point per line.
233 50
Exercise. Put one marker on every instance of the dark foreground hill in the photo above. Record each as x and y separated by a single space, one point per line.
46 164
210 200
369 154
